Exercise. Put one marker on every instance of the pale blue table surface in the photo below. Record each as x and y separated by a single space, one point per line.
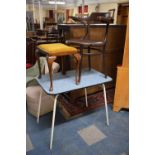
66 83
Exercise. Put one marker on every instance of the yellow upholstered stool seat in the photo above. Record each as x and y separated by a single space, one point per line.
57 49
52 51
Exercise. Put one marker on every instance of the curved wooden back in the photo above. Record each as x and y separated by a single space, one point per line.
95 18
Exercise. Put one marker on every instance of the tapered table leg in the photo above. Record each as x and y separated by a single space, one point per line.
106 107
53 120
39 106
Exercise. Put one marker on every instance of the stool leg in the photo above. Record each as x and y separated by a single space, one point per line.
39 106
86 97
39 66
78 61
81 52
104 67
62 66
105 100
50 60
53 121
89 60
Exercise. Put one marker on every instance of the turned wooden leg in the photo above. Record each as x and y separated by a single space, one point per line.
81 53
50 60
78 62
89 60
62 65
38 60
104 67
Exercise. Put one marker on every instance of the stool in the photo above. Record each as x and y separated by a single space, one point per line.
51 51
32 73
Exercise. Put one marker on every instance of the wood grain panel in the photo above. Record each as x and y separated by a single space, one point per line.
121 98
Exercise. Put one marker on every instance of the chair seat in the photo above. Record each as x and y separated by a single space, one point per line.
57 49
84 42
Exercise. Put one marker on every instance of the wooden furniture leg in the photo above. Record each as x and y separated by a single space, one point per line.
80 67
104 67
78 62
39 66
89 60
50 60
62 66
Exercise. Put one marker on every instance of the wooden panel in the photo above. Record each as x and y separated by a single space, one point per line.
121 99
122 16
126 50
50 13
67 14
76 32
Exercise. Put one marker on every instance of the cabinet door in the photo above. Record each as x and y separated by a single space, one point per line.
121 99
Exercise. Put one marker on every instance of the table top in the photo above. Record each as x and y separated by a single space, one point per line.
66 83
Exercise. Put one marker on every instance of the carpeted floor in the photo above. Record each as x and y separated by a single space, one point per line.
85 135
95 101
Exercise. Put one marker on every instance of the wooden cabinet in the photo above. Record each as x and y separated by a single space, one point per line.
122 16
121 98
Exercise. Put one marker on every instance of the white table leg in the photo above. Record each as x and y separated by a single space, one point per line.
86 97
53 120
106 107
39 105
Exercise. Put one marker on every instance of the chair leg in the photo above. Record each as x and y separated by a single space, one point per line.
106 107
104 67
39 66
80 68
89 60
50 60
62 66
78 61
53 120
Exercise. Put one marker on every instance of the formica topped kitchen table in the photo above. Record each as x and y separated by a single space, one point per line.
65 83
